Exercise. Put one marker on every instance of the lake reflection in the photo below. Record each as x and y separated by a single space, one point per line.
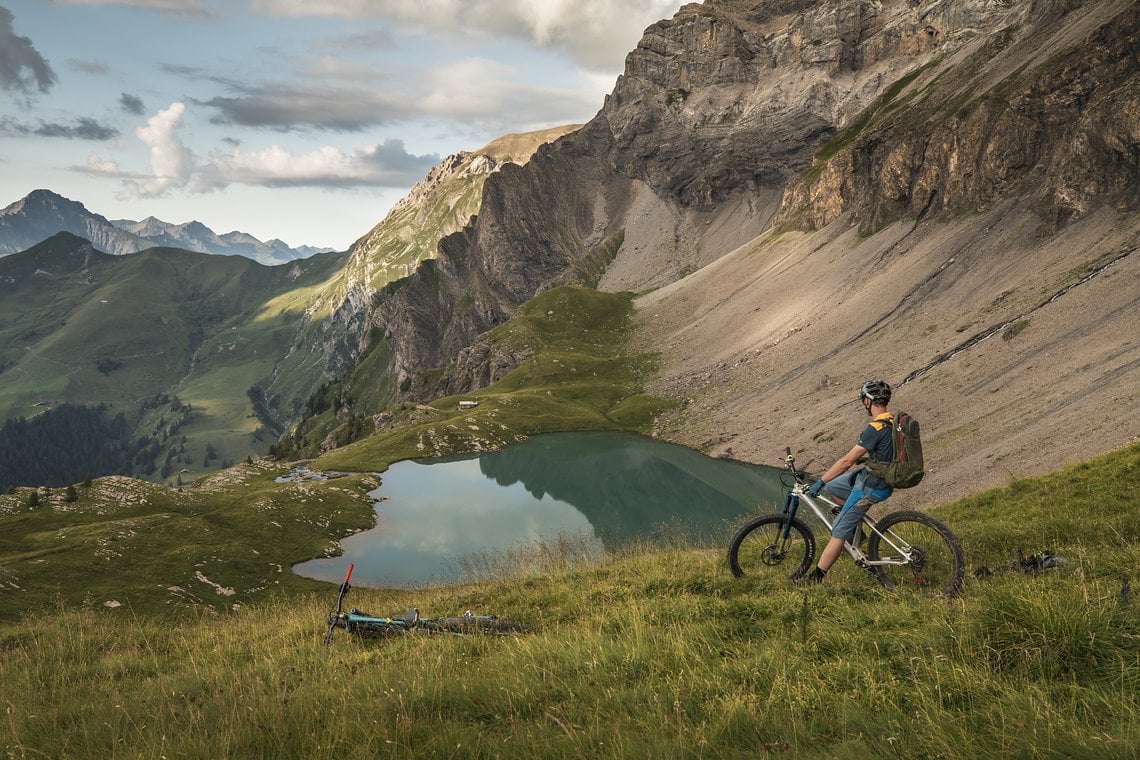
603 489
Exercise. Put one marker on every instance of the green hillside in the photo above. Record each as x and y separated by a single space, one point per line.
580 375
81 327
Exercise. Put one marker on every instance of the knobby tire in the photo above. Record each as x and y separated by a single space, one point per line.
477 626
939 566
759 548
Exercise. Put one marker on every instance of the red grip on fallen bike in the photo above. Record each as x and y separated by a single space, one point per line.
348 574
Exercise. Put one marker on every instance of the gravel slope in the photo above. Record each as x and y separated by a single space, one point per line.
1017 353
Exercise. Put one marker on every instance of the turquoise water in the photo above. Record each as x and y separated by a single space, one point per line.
599 490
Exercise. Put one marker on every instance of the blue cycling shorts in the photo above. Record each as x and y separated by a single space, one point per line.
857 499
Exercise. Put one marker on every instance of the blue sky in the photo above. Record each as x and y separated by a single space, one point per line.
303 120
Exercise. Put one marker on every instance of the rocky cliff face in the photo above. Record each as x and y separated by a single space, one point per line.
341 337
718 108
815 193
1045 107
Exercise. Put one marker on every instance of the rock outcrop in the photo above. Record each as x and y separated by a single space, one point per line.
1048 110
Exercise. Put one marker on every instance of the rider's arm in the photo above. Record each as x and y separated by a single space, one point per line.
844 463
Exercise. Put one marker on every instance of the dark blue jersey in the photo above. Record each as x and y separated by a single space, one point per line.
876 438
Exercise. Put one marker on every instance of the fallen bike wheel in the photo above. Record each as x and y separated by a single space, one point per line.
473 625
770 545
924 556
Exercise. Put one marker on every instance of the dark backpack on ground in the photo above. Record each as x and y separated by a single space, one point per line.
905 470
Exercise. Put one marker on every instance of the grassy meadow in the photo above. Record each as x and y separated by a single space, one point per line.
655 651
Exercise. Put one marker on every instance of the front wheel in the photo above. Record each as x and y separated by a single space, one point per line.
920 554
770 543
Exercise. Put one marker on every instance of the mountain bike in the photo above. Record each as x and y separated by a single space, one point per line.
372 626
905 549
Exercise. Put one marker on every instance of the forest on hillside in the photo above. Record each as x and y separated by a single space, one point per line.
72 442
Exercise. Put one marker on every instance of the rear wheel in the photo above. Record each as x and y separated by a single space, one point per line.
923 555
769 544
474 625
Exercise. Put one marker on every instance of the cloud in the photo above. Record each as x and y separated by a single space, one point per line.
385 165
89 67
83 129
22 68
185 9
476 92
132 104
171 162
293 106
172 166
366 41
481 91
596 34
97 165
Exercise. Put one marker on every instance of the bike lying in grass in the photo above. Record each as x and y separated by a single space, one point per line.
904 549
362 624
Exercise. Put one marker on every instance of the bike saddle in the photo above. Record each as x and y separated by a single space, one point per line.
410 618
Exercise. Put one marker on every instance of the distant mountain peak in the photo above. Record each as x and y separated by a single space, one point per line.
42 213
39 199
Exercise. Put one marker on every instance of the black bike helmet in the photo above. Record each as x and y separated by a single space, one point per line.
877 391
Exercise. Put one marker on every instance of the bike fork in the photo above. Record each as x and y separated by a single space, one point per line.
791 504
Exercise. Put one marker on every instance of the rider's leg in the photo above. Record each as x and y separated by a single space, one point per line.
855 506
843 529
840 488
830 553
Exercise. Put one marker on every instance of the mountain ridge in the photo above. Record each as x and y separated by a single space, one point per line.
42 213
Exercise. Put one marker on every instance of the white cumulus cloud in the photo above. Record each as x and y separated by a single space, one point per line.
172 166
171 162
384 165
97 165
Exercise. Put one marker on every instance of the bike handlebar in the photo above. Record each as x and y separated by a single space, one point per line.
790 463
344 587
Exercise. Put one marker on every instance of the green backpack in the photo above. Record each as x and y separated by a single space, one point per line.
905 470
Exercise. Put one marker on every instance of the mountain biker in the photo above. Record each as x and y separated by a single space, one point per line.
857 489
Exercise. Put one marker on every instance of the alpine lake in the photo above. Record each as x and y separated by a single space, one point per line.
446 520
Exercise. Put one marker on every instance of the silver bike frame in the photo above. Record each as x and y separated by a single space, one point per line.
800 492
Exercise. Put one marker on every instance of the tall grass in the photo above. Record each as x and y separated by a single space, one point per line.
655 651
